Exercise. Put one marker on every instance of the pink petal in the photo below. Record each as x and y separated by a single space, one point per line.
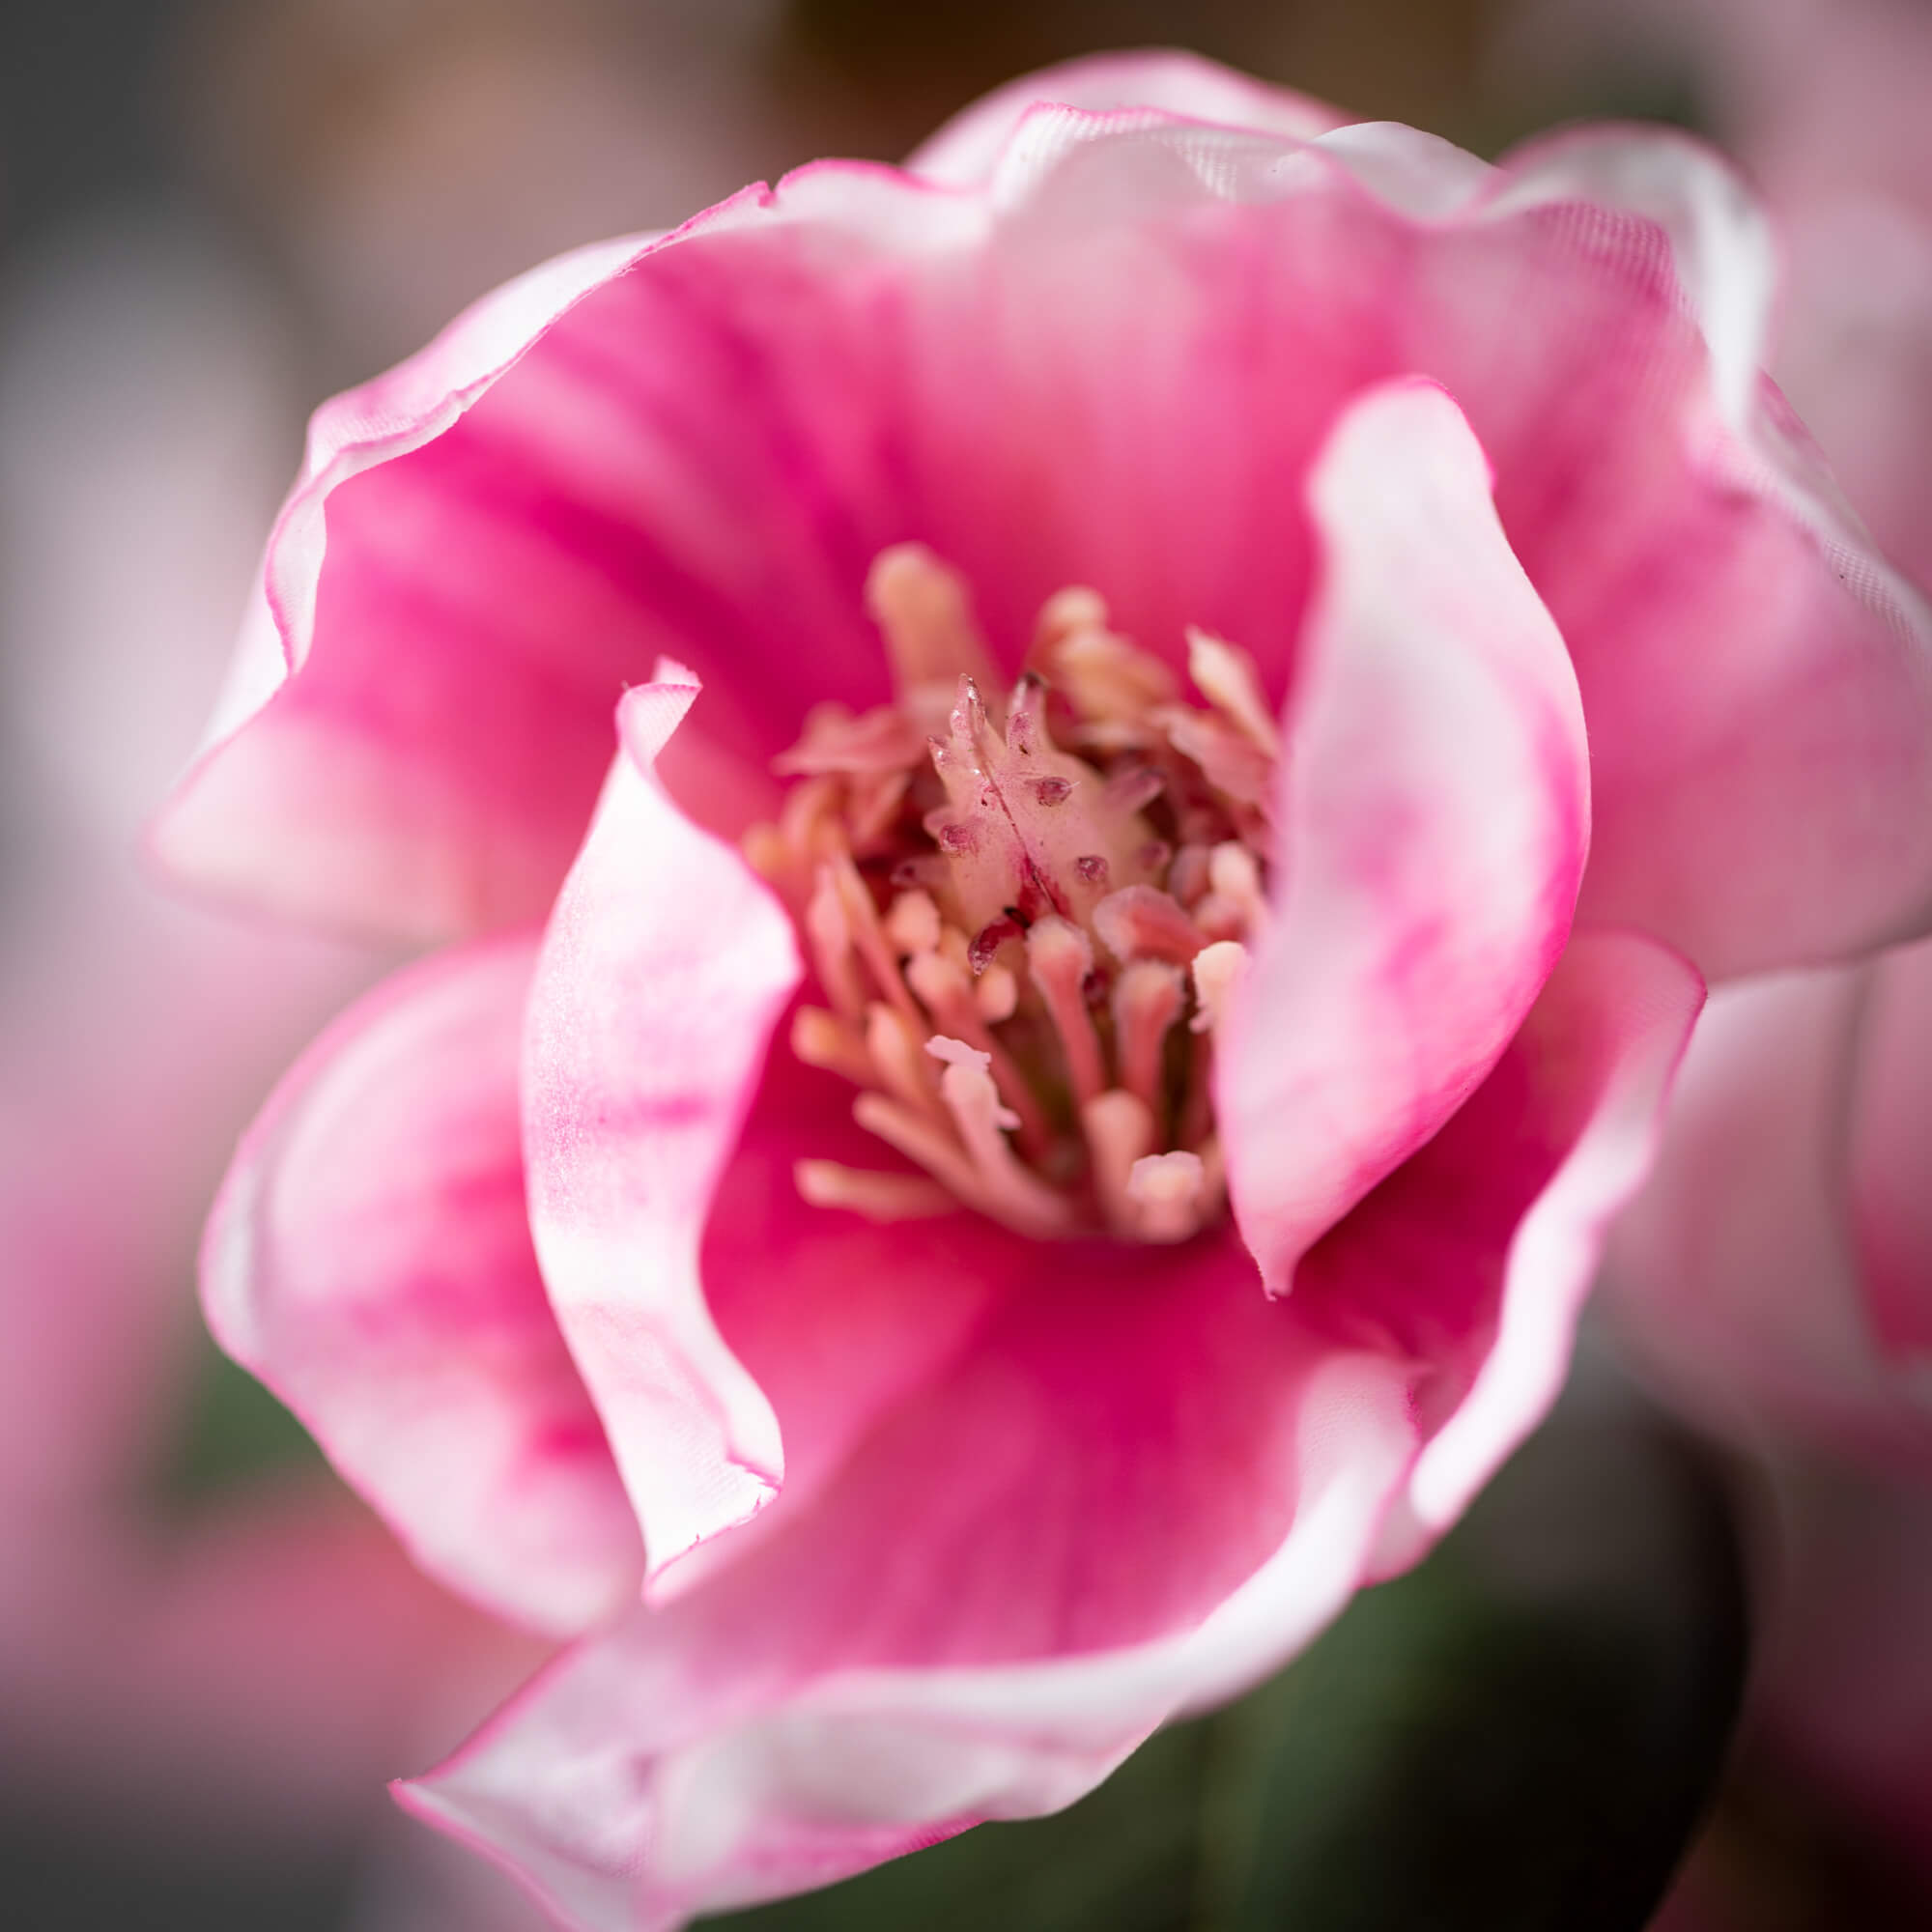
1738 1274
835 1318
967 150
340 798
1756 679
1855 356
1433 822
370 1259
1113 364
1473 1259
666 965
1142 1487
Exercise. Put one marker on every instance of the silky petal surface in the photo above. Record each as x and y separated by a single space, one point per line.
1755 676
1855 356
1113 364
1145 1483
1473 1259
353 794
370 1259
664 966
1139 1489
1431 824
1738 1275
838 1320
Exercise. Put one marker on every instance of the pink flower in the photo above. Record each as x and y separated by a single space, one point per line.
964 1443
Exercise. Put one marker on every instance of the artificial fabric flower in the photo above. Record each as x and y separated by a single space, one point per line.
1136 932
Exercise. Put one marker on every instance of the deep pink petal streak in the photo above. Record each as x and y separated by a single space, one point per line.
1116 370
1139 1488
990 1604
1432 821
1036 1497
1472 1259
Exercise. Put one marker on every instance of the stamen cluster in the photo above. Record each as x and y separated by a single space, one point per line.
1026 914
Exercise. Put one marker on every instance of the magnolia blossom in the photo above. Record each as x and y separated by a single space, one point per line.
1206 683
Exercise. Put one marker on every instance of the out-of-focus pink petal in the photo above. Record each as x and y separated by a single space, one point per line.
370 1259
967 150
1430 830
1472 1259
664 967
1757 680
1855 356
1112 365
1736 1274
1891 1159
1142 1487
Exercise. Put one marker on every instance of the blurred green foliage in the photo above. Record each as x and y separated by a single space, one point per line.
232 1432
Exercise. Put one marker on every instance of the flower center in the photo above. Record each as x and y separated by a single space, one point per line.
1026 916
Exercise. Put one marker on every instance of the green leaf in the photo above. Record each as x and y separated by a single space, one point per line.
232 1430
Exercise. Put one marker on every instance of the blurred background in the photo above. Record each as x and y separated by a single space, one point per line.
214 213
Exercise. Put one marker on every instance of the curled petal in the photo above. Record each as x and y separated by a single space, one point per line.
1112 364
1012 1581
1473 1259
355 794
1434 819
1757 679
1765 1274
369 1257
666 966
837 1318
